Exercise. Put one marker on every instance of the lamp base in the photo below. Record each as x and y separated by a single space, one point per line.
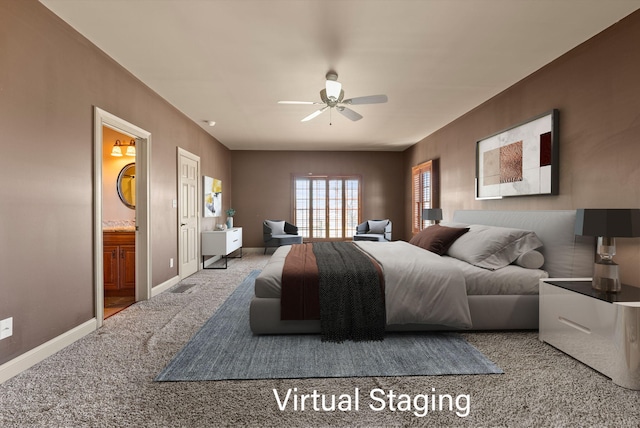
606 277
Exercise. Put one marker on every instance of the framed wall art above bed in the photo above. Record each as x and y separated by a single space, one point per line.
521 160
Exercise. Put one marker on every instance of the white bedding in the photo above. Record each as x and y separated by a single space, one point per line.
419 287
408 271
509 280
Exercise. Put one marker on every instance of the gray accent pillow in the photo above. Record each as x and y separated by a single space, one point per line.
492 247
277 227
531 260
377 226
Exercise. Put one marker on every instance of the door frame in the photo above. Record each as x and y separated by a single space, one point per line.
102 119
196 158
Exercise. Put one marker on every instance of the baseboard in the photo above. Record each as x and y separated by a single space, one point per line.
39 353
160 288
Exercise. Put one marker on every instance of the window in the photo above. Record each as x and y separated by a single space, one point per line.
424 179
326 207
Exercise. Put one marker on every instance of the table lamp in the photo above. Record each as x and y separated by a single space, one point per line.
434 214
607 224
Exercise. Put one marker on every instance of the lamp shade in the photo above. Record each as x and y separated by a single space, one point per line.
432 214
609 222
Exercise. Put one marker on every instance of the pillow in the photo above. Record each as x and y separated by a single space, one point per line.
453 224
377 226
437 238
531 260
492 247
277 227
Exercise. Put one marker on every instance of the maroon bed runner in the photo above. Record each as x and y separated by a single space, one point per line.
299 297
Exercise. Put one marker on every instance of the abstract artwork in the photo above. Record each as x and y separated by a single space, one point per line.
212 197
521 160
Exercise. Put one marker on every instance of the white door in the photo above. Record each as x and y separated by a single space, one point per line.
188 212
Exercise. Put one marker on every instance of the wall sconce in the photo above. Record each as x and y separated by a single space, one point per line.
607 224
117 149
433 214
131 148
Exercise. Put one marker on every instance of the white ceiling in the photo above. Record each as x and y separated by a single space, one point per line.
232 60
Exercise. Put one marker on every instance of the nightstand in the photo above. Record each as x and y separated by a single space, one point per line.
602 330
221 243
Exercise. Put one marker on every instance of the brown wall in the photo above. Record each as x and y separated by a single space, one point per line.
50 80
262 185
597 90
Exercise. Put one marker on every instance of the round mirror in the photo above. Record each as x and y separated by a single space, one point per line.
127 185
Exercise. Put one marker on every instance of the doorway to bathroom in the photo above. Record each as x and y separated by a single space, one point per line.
121 215
118 220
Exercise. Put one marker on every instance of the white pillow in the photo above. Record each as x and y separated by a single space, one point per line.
377 226
277 227
531 260
492 247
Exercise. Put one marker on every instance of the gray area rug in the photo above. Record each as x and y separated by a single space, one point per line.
226 349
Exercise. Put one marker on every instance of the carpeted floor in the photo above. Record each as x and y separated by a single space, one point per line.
106 380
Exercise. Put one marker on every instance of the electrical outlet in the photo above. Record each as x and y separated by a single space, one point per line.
170 263
6 328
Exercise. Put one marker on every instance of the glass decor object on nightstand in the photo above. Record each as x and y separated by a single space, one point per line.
607 224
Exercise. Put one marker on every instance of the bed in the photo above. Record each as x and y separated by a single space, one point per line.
503 298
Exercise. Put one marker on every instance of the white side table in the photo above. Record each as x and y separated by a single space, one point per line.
602 330
221 243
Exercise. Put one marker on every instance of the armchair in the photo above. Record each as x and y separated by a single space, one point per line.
279 232
373 230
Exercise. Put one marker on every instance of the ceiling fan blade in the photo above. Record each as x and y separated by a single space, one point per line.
349 114
299 102
314 114
370 99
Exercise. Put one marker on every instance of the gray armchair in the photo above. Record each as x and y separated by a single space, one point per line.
279 232
373 230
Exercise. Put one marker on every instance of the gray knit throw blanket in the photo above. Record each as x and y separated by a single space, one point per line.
351 297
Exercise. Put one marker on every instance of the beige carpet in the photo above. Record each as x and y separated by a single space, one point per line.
106 379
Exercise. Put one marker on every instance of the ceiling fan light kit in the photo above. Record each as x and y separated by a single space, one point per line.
332 86
332 97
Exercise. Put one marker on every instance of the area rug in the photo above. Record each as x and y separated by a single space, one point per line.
225 349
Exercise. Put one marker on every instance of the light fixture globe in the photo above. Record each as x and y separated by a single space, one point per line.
117 149
131 148
332 86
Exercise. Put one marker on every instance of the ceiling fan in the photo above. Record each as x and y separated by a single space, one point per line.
332 96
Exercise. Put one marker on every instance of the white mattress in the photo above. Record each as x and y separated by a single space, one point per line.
509 280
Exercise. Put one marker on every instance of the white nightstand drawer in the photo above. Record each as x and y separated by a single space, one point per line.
601 330
234 240
578 325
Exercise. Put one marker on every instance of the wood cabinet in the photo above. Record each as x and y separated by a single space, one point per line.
119 263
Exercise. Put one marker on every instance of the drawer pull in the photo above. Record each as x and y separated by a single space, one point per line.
235 240
575 325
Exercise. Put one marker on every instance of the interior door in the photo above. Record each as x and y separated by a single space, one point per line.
188 212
